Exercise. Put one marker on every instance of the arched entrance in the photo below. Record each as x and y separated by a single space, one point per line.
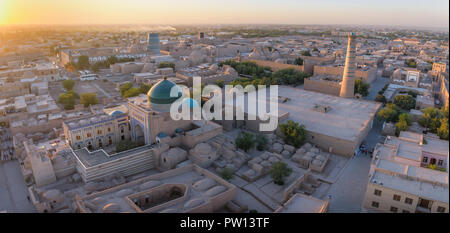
139 134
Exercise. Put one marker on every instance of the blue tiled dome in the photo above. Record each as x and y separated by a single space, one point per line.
160 92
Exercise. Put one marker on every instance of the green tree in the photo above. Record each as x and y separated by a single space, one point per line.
298 61
380 98
430 118
83 62
389 113
220 83
411 63
405 102
132 92
306 53
226 174
89 99
68 84
125 87
406 118
67 100
361 87
401 125
144 88
245 141
166 65
279 171
442 131
261 141
294 134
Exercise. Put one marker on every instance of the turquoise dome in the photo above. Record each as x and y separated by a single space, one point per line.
160 92
192 103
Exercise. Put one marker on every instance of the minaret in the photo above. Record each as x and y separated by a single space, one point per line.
348 80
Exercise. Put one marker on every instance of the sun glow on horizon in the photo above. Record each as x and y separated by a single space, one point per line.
381 12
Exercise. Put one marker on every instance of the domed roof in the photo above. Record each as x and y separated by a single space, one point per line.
160 92
192 103
115 112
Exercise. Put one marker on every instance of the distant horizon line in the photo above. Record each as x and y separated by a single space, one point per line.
210 24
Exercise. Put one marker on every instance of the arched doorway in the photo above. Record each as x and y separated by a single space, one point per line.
139 134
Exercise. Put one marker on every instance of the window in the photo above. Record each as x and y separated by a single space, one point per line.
425 159
396 197
99 132
377 192
441 209
123 137
408 200
109 129
441 162
121 130
78 137
405 211
394 209
375 204
89 135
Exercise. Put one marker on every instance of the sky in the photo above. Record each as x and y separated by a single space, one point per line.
423 13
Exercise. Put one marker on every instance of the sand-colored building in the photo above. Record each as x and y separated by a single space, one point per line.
97 131
399 182
335 124
189 189
301 203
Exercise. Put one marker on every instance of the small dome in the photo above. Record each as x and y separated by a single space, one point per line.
115 112
192 103
159 94
162 135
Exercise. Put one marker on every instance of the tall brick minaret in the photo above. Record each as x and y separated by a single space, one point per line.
348 80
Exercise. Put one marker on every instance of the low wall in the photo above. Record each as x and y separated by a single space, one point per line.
322 86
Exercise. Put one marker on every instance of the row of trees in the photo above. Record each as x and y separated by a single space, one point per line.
247 68
392 113
246 141
436 121
69 98
110 61
127 90
166 65
282 77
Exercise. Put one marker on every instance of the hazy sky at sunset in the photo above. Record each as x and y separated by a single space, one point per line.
380 12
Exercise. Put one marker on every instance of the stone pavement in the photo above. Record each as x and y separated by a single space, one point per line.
376 86
13 190
349 189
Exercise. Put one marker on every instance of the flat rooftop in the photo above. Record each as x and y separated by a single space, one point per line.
345 119
300 203
416 187
202 187
97 157
406 149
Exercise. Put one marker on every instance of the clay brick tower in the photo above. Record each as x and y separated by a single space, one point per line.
348 80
